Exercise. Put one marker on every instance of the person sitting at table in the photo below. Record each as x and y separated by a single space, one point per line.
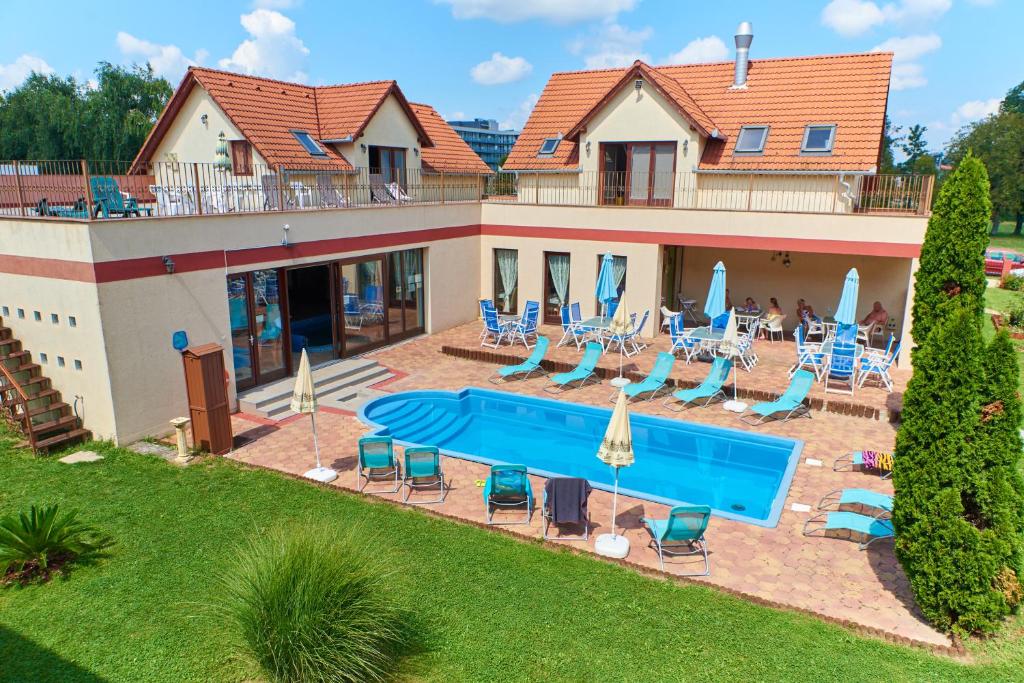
750 306
774 310
728 300
805 313
878 315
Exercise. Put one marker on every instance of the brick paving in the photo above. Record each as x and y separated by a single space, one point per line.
828 577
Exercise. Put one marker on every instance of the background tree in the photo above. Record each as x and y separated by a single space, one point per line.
890 138
914 146
1014 100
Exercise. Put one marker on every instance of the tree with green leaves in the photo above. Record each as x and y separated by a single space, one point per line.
914 146
1014 100
953 253
890 138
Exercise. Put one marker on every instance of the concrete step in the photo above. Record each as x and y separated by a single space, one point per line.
361 397
334 381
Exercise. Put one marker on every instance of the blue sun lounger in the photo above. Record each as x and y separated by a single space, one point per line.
527 367
654 382
791 402
708 391
849 526
835 500
507 486
681 534
582 373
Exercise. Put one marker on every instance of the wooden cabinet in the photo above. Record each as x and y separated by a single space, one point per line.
206 383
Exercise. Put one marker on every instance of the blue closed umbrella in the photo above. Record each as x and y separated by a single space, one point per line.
606 291
846 313
715 305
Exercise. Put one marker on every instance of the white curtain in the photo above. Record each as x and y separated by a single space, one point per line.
558 264
508 267
619 272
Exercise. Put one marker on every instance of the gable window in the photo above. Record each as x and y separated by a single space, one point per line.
638 173
308 143
241 157
751 140
818 139
548 147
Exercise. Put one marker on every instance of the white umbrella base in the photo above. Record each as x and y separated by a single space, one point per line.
735 406
321 474
619 382
612 545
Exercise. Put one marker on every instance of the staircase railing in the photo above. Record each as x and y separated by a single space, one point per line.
20 399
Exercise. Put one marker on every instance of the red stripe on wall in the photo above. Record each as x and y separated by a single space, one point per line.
898 249
61 269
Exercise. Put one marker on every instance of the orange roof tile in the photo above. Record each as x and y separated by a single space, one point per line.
266 112
787 94
450 152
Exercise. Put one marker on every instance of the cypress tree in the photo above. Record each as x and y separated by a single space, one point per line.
953 254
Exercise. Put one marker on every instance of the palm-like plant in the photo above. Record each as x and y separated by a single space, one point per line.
37 543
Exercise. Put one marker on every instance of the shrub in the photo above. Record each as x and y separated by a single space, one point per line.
953 253
1015 316
42 542
1014 283
307 605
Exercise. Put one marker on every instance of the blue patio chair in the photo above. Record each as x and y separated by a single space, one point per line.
708 391
352 311
813 326
527 325
571 331
608 339
681 534
846 334
654 382
583 372
849 526
508 487
863 498
633 338
791 402
680 341
574 313
612 307
422 471
527 367
484 305
108 200
877 366
808 355
494 331
841 373
377 463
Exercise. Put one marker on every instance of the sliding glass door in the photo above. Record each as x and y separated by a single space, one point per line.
406 310
638 173
362 297
257 327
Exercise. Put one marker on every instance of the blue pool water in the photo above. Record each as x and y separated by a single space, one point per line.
740 474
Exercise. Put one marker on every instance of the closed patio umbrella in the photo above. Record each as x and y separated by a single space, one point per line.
730 348
304 401
621 325
616 450
715 305
846 313
606 291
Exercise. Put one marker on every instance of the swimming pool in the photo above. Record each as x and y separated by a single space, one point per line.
741 475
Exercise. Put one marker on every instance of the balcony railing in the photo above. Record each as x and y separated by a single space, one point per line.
83 189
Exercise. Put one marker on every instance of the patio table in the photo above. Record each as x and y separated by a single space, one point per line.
826 348
707 337
596 327
745 319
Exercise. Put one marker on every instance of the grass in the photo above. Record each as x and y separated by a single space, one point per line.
1003 300
488 607
1005 239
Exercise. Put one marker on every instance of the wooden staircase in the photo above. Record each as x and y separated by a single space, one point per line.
29 403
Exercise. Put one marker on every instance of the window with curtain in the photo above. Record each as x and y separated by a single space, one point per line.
506 280
618 274
556 291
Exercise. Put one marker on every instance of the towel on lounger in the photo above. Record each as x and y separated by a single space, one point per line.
567 499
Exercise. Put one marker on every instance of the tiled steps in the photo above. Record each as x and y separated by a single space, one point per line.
52 422
338 384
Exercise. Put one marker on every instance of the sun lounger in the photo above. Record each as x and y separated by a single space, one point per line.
791 402
583 373
708 391
527 367
107 199
422 471
863 498
565 502
867 460
377 463
849 526
654 382
507 486
681 534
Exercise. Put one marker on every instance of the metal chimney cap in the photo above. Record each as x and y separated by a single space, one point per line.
744 34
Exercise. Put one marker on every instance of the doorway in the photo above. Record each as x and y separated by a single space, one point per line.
556 286
258 343
637 173
671 275
362 296
309 314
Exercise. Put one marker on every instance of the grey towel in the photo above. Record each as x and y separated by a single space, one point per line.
567 499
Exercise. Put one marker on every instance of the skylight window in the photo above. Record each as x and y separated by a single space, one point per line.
818 139
310 145
751 139
549 146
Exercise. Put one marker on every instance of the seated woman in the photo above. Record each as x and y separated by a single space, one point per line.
774 310
750 306
805 312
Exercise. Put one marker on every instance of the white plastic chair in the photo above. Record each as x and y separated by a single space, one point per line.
773 326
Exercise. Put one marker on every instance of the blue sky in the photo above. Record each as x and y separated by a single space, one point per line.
491 58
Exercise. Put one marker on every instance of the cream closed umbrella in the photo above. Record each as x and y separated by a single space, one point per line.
304 401
730 348
621 325
616 450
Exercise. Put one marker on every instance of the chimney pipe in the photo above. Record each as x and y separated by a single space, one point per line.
744 37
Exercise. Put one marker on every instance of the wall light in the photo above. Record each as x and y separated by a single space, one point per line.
588 148
638 84
168 264
362 148
686 146
204 119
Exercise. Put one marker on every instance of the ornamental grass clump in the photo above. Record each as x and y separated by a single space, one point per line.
304 604
36 545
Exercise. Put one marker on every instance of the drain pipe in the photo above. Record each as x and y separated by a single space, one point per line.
848 193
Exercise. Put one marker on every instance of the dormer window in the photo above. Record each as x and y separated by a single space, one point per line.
751 140
818 139
549 146
308 143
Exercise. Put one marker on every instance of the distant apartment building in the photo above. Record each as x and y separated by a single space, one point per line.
487 139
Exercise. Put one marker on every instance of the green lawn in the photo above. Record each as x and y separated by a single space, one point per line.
490 607
1005 239
1003 300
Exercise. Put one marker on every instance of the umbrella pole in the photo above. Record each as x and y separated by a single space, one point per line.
316 446
615 499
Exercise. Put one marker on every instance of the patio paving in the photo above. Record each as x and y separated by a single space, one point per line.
828 577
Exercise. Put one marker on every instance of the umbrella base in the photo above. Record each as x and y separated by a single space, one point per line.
619 382
735 406
612 545
321 474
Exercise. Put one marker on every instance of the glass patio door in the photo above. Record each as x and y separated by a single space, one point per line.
556 286
258 348
363 309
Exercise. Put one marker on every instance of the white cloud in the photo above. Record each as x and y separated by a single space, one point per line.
276 4
909 48
272 49
612 45
854 17
554 11
517 117
699 50
908 76
14 74
500 69
972 110
167 61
